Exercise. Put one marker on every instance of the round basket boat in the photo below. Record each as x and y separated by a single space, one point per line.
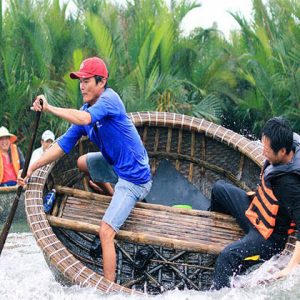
159 247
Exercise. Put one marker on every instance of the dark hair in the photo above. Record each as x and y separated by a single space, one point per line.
99 79
280 133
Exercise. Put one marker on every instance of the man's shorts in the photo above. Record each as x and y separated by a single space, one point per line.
126 193
100 170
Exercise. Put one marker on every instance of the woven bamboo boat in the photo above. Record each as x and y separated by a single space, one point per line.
183 243
7 196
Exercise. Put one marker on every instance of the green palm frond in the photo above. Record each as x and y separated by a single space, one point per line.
72 91
103 40
209 108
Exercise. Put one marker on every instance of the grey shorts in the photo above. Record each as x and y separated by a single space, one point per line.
125 196
126 193
100 170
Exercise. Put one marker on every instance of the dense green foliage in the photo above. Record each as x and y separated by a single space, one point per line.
240 82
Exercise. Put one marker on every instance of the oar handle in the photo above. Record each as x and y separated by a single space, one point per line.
30 147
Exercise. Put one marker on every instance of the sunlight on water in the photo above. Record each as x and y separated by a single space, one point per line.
24 275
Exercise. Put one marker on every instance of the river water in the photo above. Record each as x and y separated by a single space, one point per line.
24 275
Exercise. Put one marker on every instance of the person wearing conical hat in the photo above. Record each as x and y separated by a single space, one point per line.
11 158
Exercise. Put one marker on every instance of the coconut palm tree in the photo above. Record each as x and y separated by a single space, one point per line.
267 59
28 64
152 64
138 42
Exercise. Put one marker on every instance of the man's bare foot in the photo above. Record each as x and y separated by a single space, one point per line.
103 188
96 188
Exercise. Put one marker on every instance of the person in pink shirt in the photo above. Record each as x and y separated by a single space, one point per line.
11 158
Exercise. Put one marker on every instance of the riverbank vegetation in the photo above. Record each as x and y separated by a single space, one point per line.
238 82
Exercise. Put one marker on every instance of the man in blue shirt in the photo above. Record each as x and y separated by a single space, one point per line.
122 159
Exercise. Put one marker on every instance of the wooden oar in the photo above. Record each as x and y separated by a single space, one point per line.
14 207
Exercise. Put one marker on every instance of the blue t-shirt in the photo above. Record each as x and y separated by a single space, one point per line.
115 135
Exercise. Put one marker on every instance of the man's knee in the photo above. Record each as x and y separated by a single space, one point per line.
81 163
217 196
218 187
106 232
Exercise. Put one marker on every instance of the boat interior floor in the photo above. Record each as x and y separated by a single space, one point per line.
152 224
171 188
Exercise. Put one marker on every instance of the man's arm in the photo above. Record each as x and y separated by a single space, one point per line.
287 188
71 115
52 154
293 263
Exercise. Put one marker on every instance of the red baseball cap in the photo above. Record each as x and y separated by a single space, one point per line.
90 67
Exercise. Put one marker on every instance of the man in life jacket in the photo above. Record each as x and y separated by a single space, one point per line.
269 215
11 158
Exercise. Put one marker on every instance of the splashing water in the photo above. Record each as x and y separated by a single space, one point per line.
24 275
262 275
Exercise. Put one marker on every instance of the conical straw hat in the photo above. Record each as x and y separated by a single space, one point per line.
4 132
